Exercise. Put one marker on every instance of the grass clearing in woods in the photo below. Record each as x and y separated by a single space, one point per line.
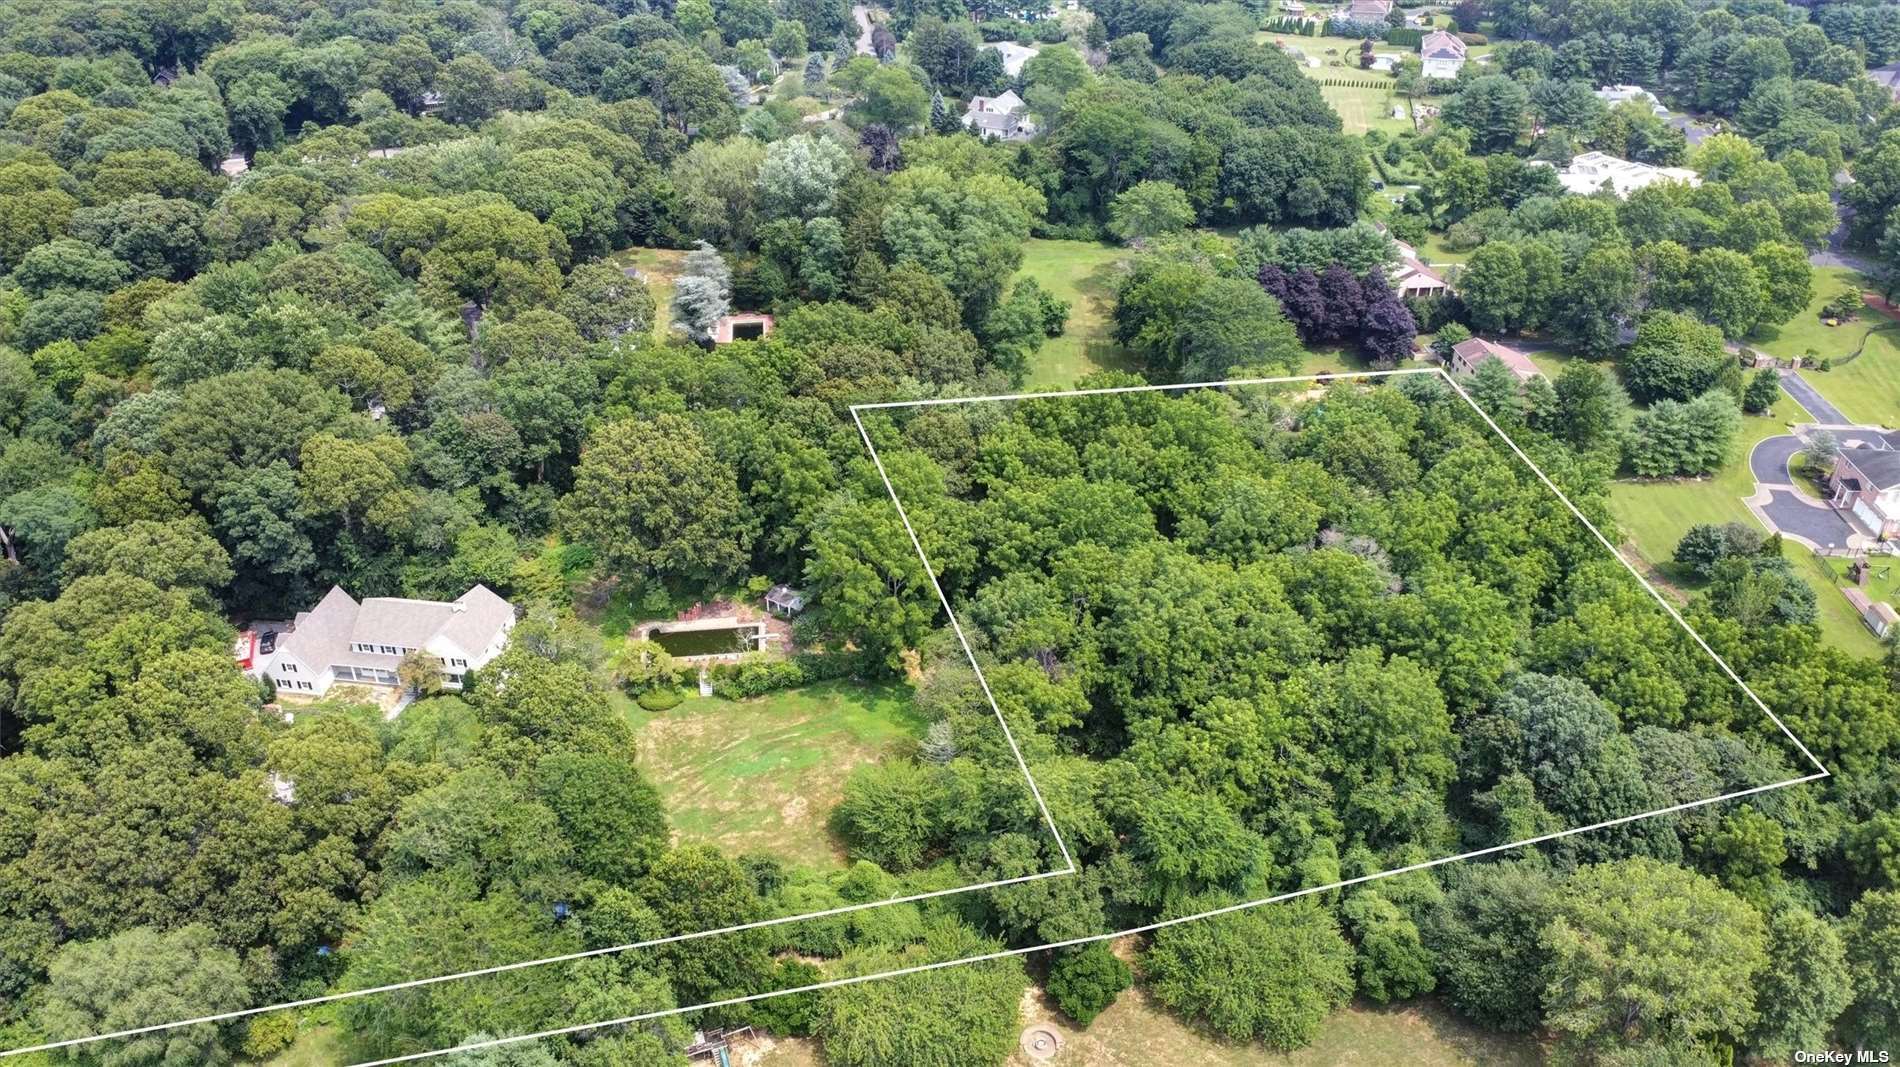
1084 274
762 775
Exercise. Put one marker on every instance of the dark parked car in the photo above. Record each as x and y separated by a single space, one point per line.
267 644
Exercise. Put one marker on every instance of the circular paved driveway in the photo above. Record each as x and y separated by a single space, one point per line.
1799 516
1768 462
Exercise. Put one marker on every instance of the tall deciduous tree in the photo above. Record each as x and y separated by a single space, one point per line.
1647 954
1269 974
140 977
654 499
1872 936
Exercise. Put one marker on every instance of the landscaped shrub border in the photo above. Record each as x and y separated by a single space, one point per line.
757 675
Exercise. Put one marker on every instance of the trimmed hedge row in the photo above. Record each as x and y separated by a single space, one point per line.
757 675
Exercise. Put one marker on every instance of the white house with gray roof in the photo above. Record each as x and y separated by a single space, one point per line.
1014 56
342 641
1003 117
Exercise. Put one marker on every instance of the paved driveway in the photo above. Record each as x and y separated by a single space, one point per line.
1768 462
1817 406
1797 515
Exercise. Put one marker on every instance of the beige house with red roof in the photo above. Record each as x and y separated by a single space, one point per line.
1468 356
1412 277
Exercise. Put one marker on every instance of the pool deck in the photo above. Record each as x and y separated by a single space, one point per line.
772 632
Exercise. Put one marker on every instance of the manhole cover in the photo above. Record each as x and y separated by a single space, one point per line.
1041 1042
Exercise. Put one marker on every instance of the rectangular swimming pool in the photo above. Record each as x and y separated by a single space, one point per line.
718 642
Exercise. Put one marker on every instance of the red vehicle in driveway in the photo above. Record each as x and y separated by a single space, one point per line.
244 649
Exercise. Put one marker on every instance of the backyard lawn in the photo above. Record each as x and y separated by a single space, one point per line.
1655 514
1083 273
1361 109
1433 249
1883 584
762 775
1866 388
1333 359
659 266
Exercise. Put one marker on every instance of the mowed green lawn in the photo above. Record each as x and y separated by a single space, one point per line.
1083 273
659 266
1654 515
1362 109
1324 49
762 775
1867 388
1883 584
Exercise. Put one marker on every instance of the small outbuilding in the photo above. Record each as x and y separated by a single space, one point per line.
745 326
1878 615
784 601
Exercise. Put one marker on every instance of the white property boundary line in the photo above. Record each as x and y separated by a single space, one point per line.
626 1020
1820 770
1068 868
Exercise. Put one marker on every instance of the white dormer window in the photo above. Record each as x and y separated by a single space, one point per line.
389 650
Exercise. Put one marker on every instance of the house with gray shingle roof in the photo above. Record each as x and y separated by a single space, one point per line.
1867 483
1014 56
343 641
1003 117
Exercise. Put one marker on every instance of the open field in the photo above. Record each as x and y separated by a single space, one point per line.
659 266
1655 514
1083 273
1340 48
762 775
1333 359
1136 1033
1360 109
1366 109
1867 389
316 1046
1434 250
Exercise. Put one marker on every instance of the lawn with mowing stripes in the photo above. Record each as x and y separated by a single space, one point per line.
1084 274
762 775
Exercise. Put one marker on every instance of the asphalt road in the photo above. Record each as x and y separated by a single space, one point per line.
1817 406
